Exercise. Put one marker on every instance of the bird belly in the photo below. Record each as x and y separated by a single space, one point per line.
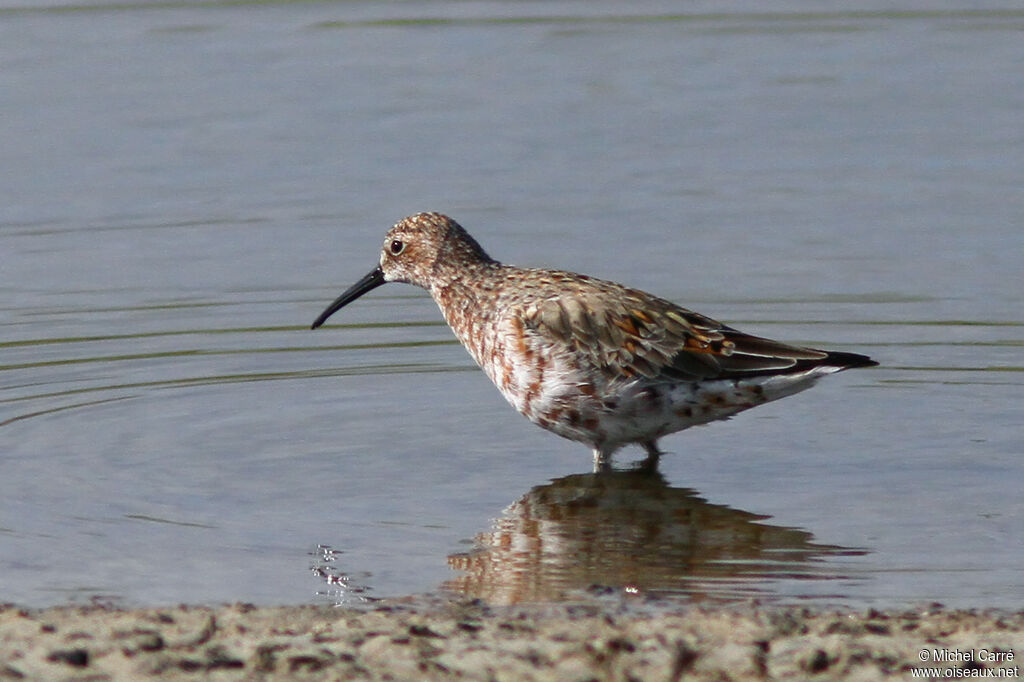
551 387
643 410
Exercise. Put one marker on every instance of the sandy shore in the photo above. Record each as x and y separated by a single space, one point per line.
470 641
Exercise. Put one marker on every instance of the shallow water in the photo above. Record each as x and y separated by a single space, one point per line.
187 186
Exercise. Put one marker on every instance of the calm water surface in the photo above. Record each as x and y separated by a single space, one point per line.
186 186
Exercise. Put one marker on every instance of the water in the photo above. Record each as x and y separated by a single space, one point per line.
185 186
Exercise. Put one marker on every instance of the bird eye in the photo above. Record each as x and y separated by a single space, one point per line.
397 247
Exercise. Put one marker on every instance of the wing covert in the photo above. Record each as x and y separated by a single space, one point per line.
627 333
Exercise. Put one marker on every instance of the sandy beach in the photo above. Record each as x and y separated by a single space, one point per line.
468 640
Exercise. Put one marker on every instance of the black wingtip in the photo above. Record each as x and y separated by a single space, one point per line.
848 360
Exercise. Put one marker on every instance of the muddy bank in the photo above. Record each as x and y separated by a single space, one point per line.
470 641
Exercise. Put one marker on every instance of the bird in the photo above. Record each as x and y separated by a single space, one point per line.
590 360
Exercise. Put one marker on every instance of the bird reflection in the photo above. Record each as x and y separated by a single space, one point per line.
630 532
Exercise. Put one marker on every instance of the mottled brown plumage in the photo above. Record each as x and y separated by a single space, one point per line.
588 359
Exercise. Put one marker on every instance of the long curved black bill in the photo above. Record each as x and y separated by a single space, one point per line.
368 283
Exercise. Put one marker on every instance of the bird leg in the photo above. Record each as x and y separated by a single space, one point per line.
650 463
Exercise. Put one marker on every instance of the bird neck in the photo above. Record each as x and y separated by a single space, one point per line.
466 283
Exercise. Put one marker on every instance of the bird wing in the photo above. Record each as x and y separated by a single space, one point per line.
629 333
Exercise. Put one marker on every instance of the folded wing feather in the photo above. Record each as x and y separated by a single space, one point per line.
627 333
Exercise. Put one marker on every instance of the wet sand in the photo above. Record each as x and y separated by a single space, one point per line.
467 640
